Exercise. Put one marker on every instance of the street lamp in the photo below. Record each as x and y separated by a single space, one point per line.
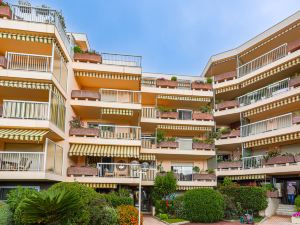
143 170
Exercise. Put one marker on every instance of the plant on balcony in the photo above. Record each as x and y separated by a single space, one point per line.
160 136
165 109
196 169
61 18
206 108
210 171
209 80
76 123
170 139
173 78
77 49
271 154
86 56
5 10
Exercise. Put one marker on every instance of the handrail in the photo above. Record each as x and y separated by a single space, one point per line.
121 59
122 96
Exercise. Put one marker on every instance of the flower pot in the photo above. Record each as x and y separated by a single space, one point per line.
295 82
91 132
225 76
227 105
227 165
202 146
82 171
168 115
88 57
201 86
281 159
202 116
293 46
297 158
166 83
295 220
5 12
168 144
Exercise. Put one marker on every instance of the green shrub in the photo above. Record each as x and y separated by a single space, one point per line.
232 208
297 203
77 49
164 207
251 198
173 78
128 214
102 214
115 200
179 210
163 216
209 80
5 214
204 205
164 185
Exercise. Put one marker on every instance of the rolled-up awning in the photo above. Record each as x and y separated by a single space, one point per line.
147 157
122 112
106 75
27 37
183 127
25 84
183 188
101 185
248 177
184 98
22 134
104 150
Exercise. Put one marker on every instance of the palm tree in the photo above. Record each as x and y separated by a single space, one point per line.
49 207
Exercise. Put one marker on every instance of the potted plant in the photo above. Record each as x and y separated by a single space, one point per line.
201 85
202 116
90 56
169 142
5 10
196 169
201 144
166 113
274 157
164 83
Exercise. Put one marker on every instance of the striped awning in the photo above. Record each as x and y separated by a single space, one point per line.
107 75
25 84
183 127
184 98
27 37
104 150
147 157
248 177
23 135
122 112
101 185
184 188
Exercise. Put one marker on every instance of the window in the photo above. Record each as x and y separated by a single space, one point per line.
185 114
4 190
183 171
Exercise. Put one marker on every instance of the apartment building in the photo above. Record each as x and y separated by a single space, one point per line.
70 114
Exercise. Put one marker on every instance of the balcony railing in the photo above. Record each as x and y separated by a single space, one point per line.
264 93
122 96
25 110
121 60
42 15
262 60
29 62
253 162
120 132
271 124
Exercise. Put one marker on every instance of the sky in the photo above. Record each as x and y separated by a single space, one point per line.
172 36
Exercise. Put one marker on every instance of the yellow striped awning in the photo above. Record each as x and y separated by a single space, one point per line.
184 188
106 75
27 37
97 185
122 112
104 150
183 127
23 135
25 84
248 177
147 157
184 98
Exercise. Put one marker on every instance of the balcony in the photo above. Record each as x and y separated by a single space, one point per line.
107 134
32 165
120 173
188 117
46 16
178 146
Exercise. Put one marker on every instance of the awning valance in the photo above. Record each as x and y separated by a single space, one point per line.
26 37
122 112
147 157
183 127
248 177
104 150
107 75
101 185
184 98
25 84
22 134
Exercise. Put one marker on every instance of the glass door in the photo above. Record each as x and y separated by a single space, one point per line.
185 114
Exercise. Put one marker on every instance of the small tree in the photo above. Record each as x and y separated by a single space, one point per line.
164 185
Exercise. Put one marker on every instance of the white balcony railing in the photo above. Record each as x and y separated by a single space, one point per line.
29 62
121 60
149 112
262 60
122 96
148 142
120 132
264 93
43 15
25 110
253 162
22 161
271 124
124 170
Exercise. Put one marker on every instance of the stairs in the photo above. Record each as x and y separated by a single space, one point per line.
285 210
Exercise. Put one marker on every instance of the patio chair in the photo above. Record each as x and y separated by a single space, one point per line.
24 164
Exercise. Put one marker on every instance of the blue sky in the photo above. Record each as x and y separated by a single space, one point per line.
173 36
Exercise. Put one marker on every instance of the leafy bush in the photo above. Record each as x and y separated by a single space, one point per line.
115 200
164 207
204 205
232 209
297 203
209 80
251 198
163 216
164 185
48 207
179 210
173 78
128 214
77 49
5 214
102 214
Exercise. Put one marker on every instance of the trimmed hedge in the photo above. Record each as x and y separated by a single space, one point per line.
116 200
250 198
5 214
203 205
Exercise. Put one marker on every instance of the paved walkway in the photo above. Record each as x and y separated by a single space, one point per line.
149 220
219 223
278 220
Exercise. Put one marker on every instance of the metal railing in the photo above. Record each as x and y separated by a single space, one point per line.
124 170
253 162
121 60
267 125
148 142
122 96
29 62
264 93
120 132
42 15
261 61
22 161
25 110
